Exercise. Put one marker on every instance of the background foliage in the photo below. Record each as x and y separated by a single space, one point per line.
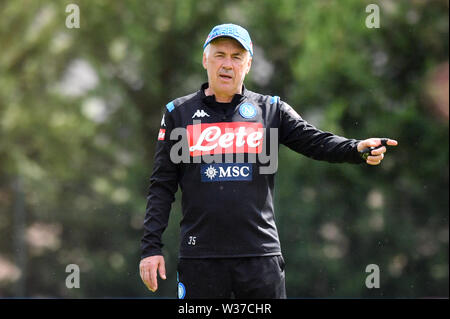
80 110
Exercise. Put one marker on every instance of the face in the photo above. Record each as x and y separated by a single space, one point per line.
227 63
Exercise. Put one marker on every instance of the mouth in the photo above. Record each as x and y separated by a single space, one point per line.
225 77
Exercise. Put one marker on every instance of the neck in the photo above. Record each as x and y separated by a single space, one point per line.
222 98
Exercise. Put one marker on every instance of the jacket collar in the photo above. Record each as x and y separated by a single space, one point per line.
210 99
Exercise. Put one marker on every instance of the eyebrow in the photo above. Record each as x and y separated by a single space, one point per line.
232 54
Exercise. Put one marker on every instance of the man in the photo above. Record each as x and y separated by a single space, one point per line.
229 241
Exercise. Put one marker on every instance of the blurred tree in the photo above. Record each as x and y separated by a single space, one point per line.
80 110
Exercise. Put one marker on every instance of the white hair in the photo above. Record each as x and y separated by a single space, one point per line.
207 49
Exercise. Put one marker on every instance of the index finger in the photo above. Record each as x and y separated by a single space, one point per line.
392 142
153 279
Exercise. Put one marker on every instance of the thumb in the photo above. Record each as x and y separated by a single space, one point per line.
162 270
370 142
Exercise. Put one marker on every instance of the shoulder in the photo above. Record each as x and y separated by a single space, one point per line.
182 101
272 103
263 98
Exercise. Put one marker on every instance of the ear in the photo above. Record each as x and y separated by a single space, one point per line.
249 65
205 59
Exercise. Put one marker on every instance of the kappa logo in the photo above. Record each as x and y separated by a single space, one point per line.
200 113
226 172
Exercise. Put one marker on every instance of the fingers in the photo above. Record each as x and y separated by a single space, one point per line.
392 142
371 142
378 151
377 154
149 268
147 280
375 160
153 280
145 274
374 142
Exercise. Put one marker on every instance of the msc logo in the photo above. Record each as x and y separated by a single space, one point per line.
226 172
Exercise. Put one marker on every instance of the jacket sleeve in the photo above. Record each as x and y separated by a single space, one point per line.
161 192
305 139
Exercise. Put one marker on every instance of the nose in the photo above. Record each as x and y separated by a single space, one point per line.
227 64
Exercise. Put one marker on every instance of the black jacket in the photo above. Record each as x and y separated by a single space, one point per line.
227 205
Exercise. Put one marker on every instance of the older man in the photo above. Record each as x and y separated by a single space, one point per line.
229 241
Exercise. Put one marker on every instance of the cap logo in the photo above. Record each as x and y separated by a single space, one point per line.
231 30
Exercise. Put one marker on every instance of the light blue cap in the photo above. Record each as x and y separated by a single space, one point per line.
231 31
